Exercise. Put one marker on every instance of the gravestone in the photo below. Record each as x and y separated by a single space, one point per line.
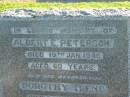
64 57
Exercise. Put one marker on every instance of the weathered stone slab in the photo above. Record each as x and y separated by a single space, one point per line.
64 57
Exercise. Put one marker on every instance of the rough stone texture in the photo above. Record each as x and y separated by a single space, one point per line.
21 43
65 12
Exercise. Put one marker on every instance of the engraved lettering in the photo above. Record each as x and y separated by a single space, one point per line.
62 66
45 96
64 87
64 55
60 43
66 30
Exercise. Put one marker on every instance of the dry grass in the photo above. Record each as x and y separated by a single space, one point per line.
7 5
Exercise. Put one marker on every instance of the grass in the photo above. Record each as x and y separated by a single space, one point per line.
7 5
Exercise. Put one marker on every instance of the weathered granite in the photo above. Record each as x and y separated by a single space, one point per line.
65 12
64 52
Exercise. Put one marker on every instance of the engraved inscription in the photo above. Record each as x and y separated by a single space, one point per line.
62 66
21 30
66 30
63 43
64 55
64 87
66 77
45 96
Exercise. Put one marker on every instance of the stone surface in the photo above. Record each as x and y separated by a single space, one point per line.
66 56
65 12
